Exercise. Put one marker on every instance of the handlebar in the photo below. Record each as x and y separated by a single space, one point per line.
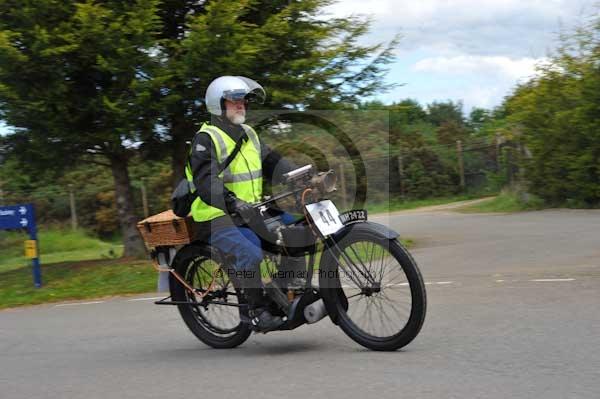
299 180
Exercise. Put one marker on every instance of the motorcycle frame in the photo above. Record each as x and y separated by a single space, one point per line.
328 242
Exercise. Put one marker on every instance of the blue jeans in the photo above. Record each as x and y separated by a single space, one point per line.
243 243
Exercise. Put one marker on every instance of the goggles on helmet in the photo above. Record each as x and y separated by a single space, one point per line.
236 95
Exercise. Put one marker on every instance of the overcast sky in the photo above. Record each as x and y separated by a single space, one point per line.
470 50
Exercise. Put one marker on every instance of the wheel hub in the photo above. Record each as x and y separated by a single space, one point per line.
369 291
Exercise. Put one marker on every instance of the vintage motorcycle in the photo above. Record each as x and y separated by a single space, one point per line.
357 272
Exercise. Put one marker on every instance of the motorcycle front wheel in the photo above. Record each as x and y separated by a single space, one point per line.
375 290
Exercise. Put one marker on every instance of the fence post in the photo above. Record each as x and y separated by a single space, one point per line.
497 152
509 166
73 208
461 165
401 174
144 198
343 184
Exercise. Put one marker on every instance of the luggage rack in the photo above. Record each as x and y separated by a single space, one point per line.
166 269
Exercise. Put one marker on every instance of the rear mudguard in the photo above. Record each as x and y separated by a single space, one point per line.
329 293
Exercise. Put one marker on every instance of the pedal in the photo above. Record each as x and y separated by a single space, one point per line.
255 321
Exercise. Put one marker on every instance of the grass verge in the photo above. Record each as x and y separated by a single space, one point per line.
76 280
81 280
74 266
396 204
505 202
55 246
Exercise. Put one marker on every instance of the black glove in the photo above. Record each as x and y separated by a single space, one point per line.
242 208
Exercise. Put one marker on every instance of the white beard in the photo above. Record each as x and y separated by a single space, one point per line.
238 119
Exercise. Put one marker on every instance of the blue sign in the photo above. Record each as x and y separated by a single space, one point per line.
16 217
22 217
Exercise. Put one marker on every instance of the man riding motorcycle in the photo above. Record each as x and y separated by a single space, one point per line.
237 187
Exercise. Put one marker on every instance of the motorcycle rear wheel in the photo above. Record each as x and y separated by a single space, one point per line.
384 283
218 326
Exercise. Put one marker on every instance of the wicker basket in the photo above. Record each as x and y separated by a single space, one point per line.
166 229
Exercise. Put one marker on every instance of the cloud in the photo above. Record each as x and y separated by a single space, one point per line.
5 129
516 28
500 66
488 96
478 80
472 94
470 50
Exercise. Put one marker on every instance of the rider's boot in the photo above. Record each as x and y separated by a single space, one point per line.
260 318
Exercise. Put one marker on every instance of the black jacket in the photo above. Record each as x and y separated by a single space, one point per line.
204 165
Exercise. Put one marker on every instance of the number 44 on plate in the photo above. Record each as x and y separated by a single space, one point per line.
325 216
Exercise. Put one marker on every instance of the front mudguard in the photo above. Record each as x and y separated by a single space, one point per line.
329 288
373 227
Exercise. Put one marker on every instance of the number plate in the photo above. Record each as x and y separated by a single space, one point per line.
354 216
325 216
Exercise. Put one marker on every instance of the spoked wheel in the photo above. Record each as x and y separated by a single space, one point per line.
209 317
377 290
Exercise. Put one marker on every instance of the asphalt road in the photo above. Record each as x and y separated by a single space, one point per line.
513 312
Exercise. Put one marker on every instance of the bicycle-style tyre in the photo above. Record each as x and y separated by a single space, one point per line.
380 304
218 326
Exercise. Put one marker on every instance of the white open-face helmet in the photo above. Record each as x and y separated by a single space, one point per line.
232 88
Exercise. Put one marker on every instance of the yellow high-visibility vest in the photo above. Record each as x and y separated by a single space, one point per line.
243 176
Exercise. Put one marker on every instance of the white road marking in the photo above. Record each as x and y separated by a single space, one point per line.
539 280
405 284
426 283
145 299
78 303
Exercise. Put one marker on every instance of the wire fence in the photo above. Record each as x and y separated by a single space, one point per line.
408 173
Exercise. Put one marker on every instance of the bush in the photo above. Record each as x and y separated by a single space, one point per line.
558 117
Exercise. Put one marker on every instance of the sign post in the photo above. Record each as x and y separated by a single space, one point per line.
30 249
20 217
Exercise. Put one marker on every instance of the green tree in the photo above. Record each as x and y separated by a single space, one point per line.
557 117
303 60
450 131
478 117
406 112
99 81
439 112
426 176
76 82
